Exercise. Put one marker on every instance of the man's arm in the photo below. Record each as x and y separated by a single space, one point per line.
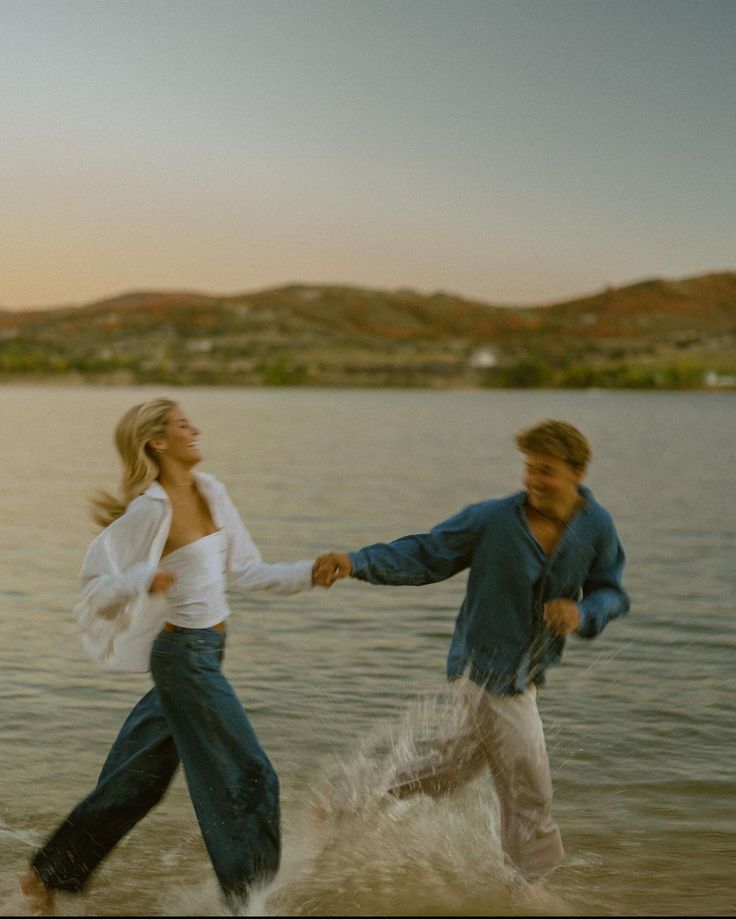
603 595
411 560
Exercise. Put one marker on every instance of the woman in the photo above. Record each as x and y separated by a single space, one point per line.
154 591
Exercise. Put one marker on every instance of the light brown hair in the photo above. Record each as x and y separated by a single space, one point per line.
556 438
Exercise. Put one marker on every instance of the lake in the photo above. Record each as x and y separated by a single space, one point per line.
339 684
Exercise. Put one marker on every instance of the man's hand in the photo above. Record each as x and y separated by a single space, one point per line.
562 616
330 567
161 582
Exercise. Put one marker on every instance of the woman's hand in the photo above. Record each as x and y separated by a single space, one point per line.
162 581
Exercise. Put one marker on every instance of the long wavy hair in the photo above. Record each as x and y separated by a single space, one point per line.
138 426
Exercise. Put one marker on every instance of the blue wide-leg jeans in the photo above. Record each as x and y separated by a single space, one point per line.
192 716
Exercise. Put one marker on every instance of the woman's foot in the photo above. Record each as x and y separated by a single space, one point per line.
39 898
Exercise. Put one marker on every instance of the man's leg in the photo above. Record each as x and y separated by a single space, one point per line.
458 756
512 738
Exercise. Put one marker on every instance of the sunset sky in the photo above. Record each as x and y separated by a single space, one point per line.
513 151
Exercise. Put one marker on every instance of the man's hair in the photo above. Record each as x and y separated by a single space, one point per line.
558 439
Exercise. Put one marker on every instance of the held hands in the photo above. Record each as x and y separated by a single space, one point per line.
161 582
331 567
562 616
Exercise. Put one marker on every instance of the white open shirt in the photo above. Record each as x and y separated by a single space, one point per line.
117 616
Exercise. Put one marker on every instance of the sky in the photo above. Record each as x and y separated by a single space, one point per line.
510 151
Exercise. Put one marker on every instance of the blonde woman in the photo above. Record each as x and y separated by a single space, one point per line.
154 596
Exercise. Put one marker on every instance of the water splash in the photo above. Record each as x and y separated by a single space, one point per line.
357 851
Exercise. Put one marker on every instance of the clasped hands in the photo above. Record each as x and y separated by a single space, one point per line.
331 567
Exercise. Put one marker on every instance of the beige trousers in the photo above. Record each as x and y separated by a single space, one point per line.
504 733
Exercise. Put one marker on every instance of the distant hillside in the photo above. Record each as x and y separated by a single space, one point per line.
654 334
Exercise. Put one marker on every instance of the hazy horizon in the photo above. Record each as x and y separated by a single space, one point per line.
513 152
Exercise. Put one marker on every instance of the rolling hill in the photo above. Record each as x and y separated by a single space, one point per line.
656 333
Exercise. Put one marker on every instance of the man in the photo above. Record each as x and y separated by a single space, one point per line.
544 563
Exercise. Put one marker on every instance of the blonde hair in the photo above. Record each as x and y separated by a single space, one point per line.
556 438
136 428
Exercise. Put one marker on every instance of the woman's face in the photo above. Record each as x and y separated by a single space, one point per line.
181 439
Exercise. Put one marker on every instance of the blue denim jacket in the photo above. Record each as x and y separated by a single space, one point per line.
500 638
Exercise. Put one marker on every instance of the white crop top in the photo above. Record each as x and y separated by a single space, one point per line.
197 600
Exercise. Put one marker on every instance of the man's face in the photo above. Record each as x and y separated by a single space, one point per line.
551 484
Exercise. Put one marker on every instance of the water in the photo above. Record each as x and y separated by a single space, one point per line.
340 685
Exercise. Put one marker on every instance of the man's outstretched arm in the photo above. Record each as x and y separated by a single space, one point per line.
422 558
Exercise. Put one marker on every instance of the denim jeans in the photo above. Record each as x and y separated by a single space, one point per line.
192 716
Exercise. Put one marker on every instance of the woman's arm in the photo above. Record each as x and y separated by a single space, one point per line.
246 569
106 590
119 573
